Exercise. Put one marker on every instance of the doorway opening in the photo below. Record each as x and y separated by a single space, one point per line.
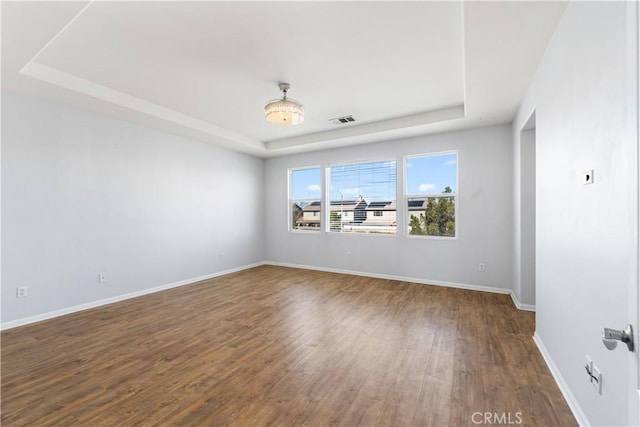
528 212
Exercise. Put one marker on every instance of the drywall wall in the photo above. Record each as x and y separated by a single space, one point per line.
83 194
585 99
524 224
484 215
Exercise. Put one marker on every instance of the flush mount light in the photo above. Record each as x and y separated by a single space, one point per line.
284 111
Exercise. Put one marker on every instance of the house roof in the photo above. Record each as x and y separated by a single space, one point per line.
343 202
348 205
415 204
312 207
382 206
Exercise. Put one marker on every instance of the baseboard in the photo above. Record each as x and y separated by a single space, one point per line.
94 304
579 415
392 277
519 305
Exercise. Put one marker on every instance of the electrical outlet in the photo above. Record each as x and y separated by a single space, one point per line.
22 292
481 266
102 278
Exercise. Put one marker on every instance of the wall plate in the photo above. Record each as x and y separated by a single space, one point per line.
587 177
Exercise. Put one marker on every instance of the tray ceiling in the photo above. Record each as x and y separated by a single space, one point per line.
205 69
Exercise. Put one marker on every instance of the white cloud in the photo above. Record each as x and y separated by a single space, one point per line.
313 187
426 187
451 162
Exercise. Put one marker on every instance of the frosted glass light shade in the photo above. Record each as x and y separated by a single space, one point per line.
284 112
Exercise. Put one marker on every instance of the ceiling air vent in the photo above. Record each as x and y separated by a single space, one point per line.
342 120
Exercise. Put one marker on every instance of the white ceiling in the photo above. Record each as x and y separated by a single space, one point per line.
204 70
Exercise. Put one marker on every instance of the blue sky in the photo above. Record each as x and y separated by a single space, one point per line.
425 175
305 184
373 181
431 174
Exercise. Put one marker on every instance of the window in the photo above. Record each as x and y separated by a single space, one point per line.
356 192
431 187
304 199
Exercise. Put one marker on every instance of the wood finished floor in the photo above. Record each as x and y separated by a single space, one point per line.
281 346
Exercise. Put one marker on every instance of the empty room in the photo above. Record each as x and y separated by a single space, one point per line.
312 213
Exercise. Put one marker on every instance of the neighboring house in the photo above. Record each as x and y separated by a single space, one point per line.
358 216
310 218
355 215
417 206
350 211
381 214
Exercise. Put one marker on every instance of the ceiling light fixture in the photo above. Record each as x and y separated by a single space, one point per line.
284 111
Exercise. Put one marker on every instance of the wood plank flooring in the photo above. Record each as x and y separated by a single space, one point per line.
285 347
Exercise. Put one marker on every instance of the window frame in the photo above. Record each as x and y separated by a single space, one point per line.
407 196
291 201
327 196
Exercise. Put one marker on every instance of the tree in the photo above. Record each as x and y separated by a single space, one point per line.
438 218
416 225
335 223
296 214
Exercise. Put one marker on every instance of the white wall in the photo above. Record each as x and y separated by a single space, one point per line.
527 224
83 194
585 98
484 217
